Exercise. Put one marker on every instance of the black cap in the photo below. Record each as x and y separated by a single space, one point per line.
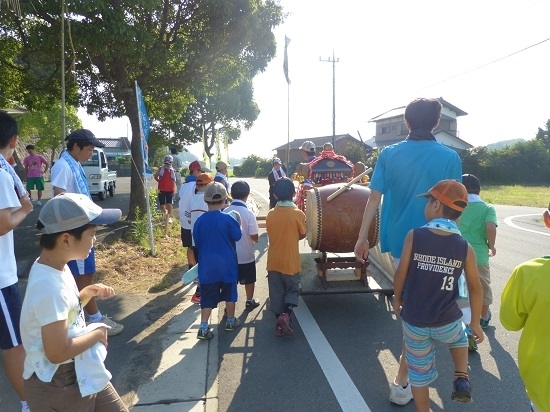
284 189
84 135
471 183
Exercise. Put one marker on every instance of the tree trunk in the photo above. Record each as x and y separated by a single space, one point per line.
137 189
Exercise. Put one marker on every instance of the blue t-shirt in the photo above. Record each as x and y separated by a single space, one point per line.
403 171
215 234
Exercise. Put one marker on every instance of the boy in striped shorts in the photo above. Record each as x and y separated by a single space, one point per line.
432 260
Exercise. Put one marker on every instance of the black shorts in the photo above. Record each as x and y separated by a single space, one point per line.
166 197
247 273
186 238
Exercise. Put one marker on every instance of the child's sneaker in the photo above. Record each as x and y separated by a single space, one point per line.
205 334
196 299
400 395
232 325
485 322
39 203
279 330
252 304
462 390
472 344
284 321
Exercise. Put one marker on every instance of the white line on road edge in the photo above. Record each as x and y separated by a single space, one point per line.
344 389
509 222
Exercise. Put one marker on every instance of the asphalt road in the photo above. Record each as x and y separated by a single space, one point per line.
346 346
348 362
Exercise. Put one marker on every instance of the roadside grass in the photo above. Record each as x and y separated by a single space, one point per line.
126 263
516 195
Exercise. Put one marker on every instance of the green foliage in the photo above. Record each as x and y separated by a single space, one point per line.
248 167
355 152
177 51
264 167
525 162
43 127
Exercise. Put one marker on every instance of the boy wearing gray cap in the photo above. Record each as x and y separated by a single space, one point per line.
67 175
215 234
64 357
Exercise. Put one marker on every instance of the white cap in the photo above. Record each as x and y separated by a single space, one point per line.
308 146
69 211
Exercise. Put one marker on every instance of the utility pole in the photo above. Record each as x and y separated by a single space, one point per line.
63 109
333 61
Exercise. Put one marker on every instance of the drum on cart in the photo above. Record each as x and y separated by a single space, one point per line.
333 226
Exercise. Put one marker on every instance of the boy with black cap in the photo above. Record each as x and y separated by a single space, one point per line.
215 234
67 176
478 225
240 191
64 362
286 226
433 259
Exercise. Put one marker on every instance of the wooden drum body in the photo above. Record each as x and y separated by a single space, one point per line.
334 226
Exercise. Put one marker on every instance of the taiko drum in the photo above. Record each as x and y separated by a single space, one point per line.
334 226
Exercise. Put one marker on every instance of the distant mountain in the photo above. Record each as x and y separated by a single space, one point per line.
503 144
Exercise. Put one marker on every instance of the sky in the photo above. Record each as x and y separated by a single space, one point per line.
390 52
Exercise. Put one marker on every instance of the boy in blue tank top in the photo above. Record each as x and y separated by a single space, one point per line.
426 291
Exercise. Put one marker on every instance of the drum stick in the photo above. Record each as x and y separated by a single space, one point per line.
332 196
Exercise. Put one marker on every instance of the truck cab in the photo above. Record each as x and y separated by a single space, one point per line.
100 179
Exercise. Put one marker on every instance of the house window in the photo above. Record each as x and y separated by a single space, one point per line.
384 129
404 129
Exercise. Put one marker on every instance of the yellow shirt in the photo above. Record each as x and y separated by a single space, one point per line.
524 304
284 226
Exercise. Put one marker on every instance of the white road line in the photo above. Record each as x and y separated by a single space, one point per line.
344 389
509 222
259 194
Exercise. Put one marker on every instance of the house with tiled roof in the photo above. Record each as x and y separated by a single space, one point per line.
341 141
120 146
391 127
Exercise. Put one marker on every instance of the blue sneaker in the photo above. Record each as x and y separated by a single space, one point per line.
462 390
472 344
485 322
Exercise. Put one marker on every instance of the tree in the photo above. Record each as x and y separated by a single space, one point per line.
225 112
42 128
544 135
172 48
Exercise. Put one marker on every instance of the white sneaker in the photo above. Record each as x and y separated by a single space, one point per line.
39 203
400 395
116 328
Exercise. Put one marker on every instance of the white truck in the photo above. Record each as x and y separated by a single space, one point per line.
100 179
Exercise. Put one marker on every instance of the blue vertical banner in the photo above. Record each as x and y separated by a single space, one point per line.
144 127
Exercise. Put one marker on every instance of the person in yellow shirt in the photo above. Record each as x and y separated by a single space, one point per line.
524 305
285 226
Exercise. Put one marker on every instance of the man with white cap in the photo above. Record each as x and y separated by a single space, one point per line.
308 151
67 176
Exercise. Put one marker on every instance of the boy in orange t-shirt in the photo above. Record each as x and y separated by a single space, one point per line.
286 226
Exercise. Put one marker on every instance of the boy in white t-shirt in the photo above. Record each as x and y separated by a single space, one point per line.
245 246
61 365
195 208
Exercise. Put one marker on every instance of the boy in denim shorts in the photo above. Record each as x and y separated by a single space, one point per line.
433 259
215 234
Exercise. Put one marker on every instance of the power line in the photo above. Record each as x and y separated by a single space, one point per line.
486 64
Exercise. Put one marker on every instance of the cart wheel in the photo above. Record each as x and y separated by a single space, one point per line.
111 190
